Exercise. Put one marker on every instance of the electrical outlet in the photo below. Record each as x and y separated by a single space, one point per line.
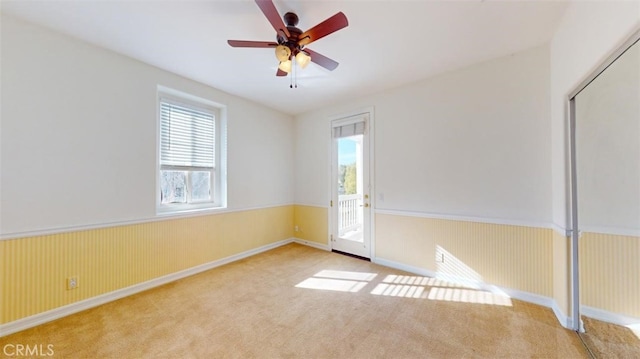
440 257
72 283
295 228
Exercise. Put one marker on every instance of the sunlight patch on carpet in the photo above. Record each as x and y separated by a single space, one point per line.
332 284
418 280
402 286
347 275
468 296
336 280
399 290
436 289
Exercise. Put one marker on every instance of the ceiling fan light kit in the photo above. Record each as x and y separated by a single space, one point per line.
283 53
291 41
285 66
303 59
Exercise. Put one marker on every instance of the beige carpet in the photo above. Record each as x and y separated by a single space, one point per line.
270 306
606 340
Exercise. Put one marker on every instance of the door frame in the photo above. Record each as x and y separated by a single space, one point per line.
369 111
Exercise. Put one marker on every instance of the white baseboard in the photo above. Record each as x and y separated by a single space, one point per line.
324 247
564 319
609 317
53 314
512 293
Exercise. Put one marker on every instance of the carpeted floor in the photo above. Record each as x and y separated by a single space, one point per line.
300 302
606 340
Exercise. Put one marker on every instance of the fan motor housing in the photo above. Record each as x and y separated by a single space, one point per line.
291 20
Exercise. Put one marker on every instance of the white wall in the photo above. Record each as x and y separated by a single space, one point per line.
587 34
474 142
78 141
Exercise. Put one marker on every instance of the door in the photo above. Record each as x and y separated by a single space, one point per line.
605 140
350 205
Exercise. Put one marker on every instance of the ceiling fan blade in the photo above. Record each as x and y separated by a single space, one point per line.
243 43
322 60
330 25
269 10
281 73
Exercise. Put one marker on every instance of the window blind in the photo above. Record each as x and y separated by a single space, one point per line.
352 129
187 136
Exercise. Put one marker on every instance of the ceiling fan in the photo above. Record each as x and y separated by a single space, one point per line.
291 42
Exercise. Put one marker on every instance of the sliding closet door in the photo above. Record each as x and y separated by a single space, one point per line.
607 150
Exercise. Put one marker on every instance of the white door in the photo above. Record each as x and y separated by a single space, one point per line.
350 203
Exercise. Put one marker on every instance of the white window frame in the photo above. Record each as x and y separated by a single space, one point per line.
218 172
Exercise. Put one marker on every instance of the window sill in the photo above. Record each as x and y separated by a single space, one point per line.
188 211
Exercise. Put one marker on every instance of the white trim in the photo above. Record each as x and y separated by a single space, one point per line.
189 98
564 319
563 230
157 218
454 217
325 206
512 293
324 247
368 110
372 182
53 314
574 258
556 227
609 317
618 231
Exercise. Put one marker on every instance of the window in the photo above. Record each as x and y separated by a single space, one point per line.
190 175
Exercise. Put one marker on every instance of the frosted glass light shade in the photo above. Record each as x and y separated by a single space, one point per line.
285 66
303 59
283 53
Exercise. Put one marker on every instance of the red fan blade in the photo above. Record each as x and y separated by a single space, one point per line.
243 43
322 60
330 25
269 10
281 73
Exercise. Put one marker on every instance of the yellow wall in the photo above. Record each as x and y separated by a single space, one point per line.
535 260
610 273
34 269
562 271
313 224
514 257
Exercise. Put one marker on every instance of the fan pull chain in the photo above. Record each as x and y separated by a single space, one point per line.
293 75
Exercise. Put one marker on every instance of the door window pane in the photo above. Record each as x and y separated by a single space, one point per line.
350 211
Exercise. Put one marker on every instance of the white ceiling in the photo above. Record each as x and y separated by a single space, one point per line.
387 43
